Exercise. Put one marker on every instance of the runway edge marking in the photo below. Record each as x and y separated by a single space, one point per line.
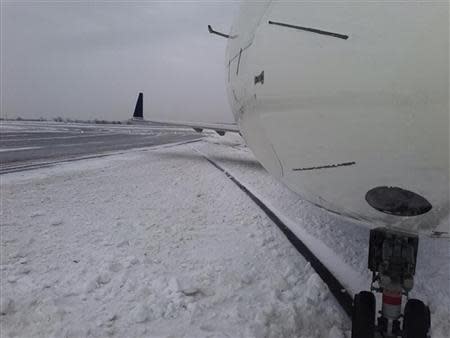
336 288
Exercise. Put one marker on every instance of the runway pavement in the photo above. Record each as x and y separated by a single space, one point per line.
24 143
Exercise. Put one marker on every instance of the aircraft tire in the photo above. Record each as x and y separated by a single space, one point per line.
417 322
363 318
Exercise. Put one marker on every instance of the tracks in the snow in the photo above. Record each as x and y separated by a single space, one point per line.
335 287
6 169
12 168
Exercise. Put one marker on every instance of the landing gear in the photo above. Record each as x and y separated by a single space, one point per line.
392 260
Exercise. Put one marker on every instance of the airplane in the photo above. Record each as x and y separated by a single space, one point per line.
347 104
219 128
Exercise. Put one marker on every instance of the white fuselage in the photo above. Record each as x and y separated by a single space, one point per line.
334 117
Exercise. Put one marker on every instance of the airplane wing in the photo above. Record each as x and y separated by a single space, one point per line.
219 128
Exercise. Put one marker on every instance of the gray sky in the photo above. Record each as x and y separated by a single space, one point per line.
89 59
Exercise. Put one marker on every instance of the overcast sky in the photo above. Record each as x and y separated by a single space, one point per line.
89 59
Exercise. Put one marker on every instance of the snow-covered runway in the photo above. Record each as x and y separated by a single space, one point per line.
159 243
32 143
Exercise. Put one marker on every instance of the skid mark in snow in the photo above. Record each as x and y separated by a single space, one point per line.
334 285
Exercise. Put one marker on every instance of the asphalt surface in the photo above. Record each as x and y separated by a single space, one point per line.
25 143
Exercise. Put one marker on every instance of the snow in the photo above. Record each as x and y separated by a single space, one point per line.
155 243
159 243
339 243
10 128
18 149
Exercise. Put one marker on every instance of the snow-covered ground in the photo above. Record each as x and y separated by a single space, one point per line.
10 126
159 243
340 243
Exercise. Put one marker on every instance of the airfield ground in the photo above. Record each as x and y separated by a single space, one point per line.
25 142
157 242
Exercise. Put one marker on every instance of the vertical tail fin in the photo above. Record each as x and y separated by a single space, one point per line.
139 109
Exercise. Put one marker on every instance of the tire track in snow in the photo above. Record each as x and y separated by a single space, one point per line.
342 296
31 166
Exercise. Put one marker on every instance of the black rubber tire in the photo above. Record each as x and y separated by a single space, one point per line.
416 321
363 318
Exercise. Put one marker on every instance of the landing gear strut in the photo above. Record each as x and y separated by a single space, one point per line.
392 260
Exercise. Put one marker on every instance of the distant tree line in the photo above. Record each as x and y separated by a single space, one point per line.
95 121
66 120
